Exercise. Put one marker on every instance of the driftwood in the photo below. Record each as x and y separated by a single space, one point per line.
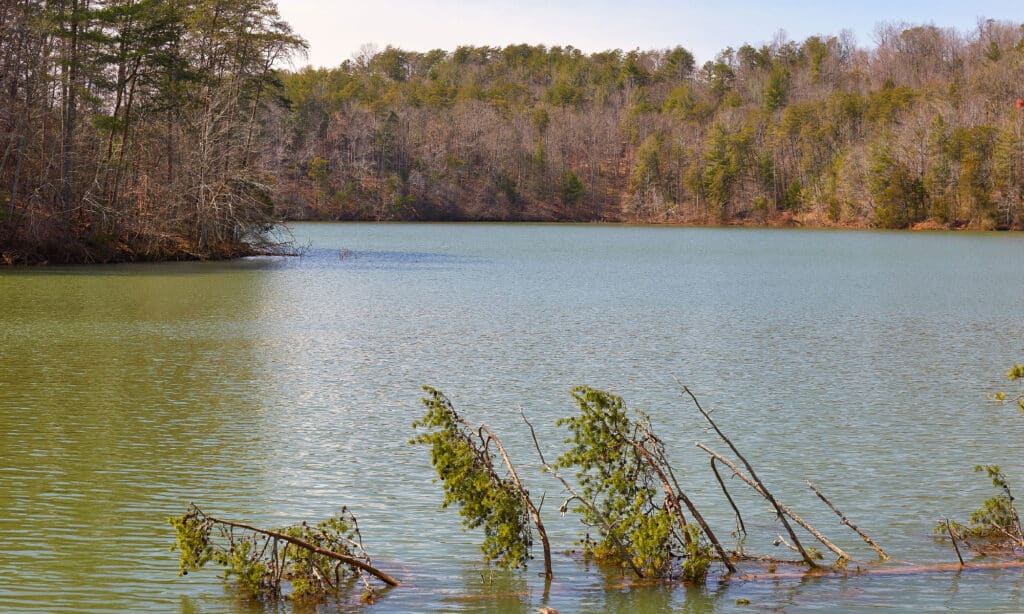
879 571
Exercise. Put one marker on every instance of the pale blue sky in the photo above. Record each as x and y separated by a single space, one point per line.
336 30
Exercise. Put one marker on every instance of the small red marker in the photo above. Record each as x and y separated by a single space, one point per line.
1020 103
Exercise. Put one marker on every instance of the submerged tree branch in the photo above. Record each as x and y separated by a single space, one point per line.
782 509
842 518
347 560
753 479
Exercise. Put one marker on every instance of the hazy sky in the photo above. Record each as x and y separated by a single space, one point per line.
337 29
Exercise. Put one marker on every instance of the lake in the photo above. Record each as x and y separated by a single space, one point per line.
276 390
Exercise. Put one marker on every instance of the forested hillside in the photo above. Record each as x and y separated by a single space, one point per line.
132 129
923 128
155 129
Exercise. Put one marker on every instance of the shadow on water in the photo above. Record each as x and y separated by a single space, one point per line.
310 258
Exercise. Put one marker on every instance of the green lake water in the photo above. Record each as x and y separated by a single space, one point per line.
277 390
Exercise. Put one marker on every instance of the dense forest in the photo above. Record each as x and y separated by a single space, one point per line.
923 129
149 129
132 129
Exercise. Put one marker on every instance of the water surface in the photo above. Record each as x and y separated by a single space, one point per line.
278 390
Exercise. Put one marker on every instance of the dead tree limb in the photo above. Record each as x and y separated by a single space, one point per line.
753 476
781 509
952 538
878 571
739 518
842 518
347 560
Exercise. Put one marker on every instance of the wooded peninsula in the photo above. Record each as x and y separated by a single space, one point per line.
150 129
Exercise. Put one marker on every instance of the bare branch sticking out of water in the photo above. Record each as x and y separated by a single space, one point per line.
783 510
753 479
842 518
952 538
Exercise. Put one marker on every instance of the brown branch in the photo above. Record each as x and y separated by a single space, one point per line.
589 504
1019 538
767 559
1010 536
675 482
952 538
780 508
534 512
725 491
881 571
674 499
842 518
753 475
350 561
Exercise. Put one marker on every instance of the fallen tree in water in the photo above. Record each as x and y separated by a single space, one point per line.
468 472
626 492
783 512
619 480
300 562
995 527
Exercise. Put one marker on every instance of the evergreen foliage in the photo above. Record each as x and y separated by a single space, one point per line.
303 563
621 492
996 522
466 467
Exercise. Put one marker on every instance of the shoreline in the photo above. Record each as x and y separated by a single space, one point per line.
83 252
927 226
78 251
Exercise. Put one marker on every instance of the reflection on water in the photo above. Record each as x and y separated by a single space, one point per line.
279 389
123 397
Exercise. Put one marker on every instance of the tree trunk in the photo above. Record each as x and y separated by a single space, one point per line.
69 71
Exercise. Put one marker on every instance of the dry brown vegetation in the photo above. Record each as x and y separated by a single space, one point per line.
921 129
150 130
130 129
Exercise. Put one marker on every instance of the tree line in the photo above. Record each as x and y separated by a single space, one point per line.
147 129
923 128
133 129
